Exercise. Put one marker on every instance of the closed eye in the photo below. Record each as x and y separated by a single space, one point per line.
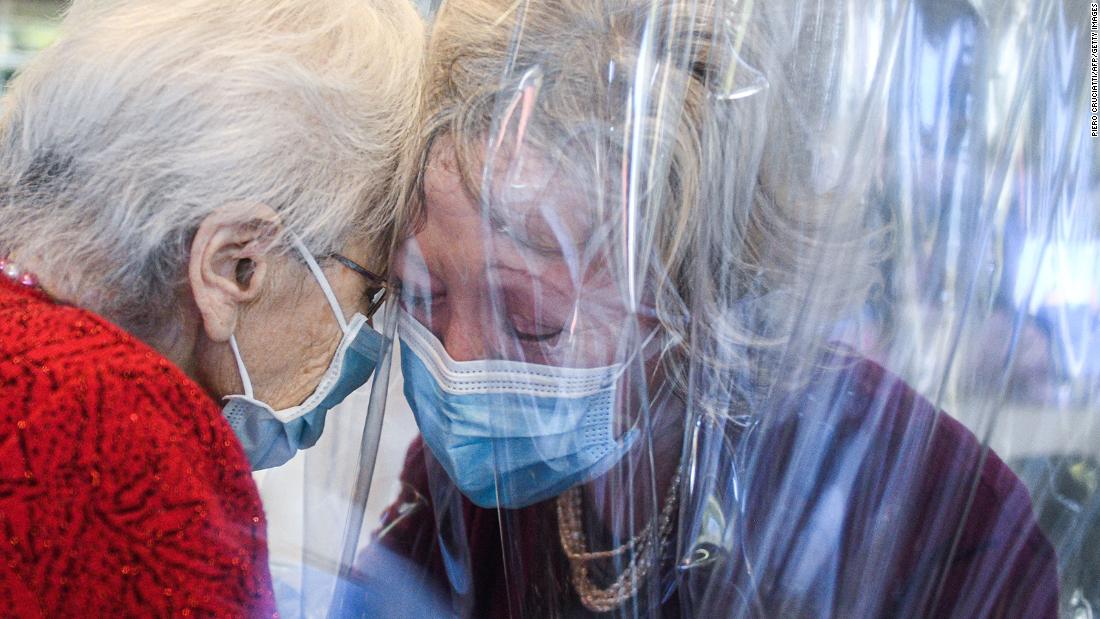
537 337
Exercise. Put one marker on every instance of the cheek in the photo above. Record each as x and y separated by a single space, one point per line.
600 329
321 336
306 344
349 289
587 342
320 344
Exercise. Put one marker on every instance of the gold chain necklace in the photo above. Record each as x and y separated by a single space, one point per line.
625 587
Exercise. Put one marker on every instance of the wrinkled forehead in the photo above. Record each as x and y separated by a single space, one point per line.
535 196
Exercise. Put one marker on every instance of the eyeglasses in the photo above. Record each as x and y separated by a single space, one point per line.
377 287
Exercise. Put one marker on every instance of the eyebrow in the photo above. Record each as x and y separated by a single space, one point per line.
542 244
543 282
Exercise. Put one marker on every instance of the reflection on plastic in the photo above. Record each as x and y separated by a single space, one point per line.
868 242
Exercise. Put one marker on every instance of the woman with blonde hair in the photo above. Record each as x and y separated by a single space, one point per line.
621 264
195 200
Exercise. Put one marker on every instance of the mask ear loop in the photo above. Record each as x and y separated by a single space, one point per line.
245 381
319 275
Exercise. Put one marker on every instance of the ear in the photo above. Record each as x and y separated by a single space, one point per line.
229 263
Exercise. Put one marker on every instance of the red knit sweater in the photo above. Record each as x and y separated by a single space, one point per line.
122 489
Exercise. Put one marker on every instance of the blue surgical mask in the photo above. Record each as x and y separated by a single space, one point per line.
511 434
271 437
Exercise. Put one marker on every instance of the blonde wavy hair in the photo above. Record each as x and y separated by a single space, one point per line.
745 263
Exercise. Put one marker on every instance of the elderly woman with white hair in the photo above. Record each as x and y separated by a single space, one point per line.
194 201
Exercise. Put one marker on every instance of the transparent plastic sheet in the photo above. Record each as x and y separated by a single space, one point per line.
315 503
731 309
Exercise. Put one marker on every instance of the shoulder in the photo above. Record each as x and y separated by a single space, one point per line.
907 428
112 437
71 374
908 501
976 533
908 421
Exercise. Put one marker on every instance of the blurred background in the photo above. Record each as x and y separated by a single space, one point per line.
1004 333
26 26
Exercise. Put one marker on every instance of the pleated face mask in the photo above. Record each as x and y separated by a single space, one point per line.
271 437
509 433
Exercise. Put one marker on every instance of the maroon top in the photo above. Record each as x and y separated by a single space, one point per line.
862 500
123 491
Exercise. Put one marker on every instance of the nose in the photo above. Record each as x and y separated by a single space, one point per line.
463 339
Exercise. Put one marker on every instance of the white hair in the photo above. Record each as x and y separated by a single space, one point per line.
145 116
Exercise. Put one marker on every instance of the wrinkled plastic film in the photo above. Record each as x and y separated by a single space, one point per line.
360 487
314 502
741 309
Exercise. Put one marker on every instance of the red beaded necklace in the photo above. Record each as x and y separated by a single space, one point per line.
14 272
